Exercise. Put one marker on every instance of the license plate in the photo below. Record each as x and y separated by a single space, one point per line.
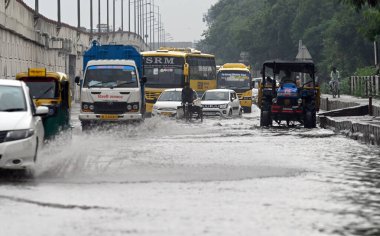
109 117
166 113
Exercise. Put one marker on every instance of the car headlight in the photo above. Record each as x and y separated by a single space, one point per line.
223 106
299 100
274 100
18 134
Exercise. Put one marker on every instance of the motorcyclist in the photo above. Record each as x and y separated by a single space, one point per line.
335 77
187 96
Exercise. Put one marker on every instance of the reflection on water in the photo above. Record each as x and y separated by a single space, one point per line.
320 182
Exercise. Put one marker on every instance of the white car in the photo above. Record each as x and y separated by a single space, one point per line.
169 103
221 102
21 128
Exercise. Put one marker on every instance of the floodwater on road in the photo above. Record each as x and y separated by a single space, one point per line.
219 177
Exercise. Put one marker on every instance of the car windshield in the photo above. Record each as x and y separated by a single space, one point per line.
12 99
234 80
216 96
110 76
44 88
172 96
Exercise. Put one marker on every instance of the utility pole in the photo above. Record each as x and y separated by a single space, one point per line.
376 53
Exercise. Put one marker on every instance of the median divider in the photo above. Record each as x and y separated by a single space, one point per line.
351 118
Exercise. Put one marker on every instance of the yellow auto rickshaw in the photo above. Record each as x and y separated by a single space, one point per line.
51 89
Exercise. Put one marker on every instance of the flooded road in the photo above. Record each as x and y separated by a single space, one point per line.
221 177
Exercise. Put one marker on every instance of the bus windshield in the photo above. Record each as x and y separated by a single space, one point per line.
110 76
164 72
234 80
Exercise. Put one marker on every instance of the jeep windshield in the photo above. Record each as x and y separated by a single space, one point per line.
110 76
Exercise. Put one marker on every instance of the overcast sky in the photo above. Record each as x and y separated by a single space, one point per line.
183 19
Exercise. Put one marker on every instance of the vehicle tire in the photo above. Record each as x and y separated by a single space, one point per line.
201 115
36 151
230 113
310 120
265 119
247 109
240 113
85 126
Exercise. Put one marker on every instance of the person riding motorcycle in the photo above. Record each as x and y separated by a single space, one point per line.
187 96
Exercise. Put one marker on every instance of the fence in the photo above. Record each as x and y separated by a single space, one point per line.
365 86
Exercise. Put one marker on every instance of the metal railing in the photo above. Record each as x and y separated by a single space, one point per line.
365 86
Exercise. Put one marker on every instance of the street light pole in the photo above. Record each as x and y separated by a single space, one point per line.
59 12
113 16
78 12
99 20
129 15
108 16
122 15
91 18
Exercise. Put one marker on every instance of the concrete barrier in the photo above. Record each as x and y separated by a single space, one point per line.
27 40
358 130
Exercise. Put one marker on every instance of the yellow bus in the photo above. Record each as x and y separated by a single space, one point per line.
172 67
237 76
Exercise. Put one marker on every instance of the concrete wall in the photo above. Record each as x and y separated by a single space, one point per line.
29 41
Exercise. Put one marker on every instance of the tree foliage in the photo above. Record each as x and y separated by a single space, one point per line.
335 34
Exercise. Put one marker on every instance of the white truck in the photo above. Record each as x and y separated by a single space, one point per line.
112 89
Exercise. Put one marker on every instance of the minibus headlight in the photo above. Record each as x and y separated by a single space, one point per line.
129 107
135 107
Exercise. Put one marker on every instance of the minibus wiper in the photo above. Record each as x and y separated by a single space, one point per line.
124 83
98 83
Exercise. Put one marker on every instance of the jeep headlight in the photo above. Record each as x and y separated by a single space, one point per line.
18 134
223 106
299 100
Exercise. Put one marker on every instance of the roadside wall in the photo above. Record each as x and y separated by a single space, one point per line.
30 41
362 131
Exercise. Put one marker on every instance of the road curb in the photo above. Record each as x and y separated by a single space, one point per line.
361 131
